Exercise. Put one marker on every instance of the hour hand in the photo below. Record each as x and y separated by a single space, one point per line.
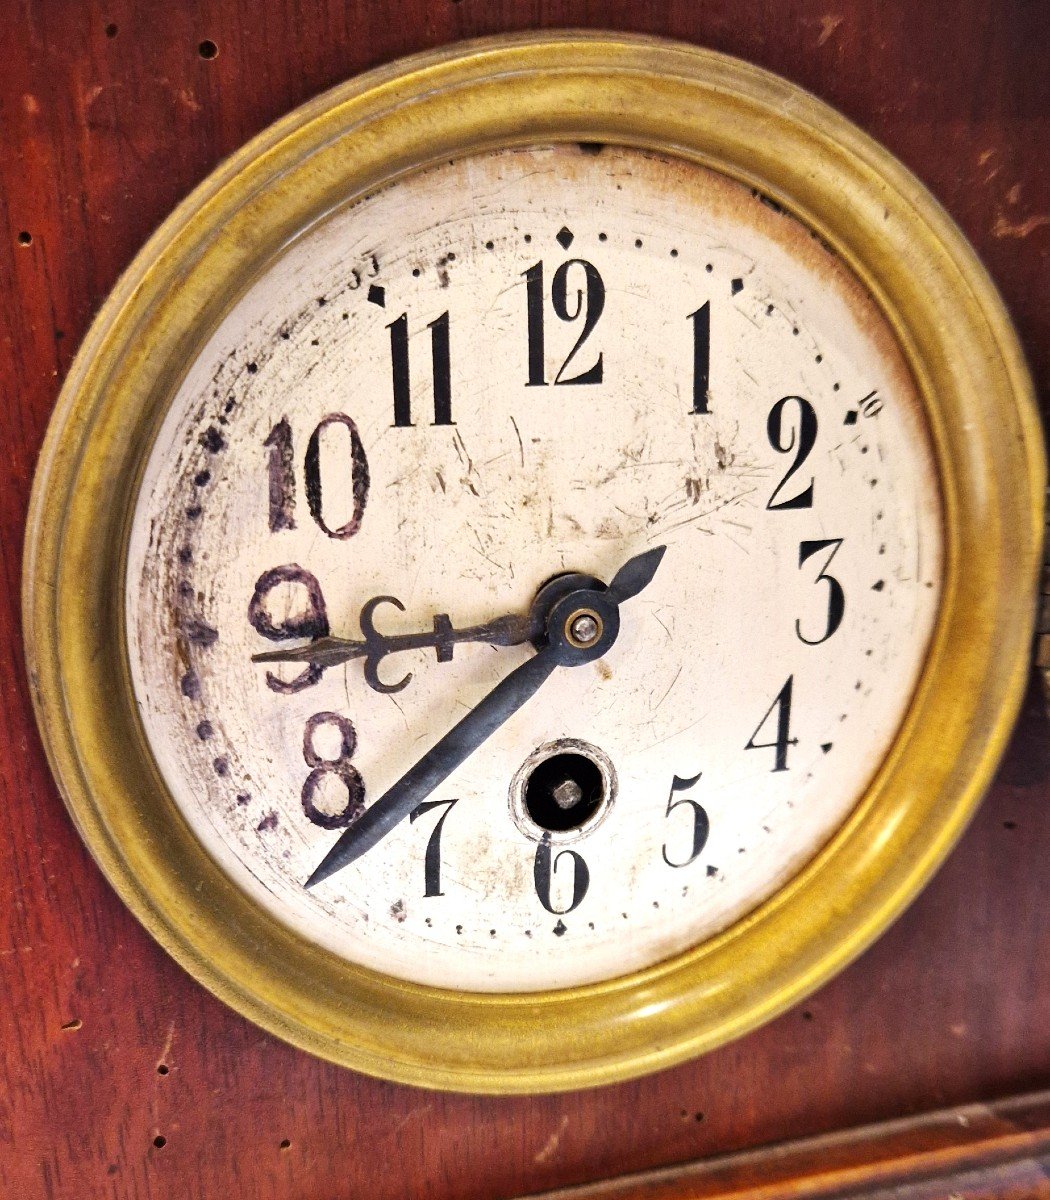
510 630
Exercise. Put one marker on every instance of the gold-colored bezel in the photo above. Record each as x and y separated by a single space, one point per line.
516 91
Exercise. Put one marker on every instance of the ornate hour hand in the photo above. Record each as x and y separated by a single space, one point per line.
373 647
576 619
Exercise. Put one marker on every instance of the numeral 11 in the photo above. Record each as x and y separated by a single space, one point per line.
439 354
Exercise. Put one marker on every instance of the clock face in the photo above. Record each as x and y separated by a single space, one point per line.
495 372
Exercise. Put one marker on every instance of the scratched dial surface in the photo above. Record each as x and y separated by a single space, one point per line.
495 370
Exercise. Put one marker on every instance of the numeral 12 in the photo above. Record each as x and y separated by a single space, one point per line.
590 301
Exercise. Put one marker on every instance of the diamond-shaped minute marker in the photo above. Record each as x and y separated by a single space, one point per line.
564 237
377 295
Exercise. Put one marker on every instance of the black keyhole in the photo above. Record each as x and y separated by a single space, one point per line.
564 791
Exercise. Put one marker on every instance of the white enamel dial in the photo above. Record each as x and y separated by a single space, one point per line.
490 372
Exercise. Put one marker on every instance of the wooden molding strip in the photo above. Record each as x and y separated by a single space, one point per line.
995 1151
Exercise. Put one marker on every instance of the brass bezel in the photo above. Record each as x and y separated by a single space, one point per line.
522 90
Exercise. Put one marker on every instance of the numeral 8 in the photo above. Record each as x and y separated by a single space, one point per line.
340 766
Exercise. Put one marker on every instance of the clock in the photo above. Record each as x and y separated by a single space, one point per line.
534 564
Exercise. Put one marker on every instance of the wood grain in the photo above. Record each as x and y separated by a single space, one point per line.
109 114
998 1151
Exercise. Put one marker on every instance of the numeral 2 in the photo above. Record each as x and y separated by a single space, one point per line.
589 305
806 440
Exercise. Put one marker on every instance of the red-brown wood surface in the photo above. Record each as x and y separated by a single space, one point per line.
119 1076
998 1151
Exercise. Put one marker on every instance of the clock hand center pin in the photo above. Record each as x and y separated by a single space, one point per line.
577 619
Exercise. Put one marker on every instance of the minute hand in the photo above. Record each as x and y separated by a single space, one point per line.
558 647
438 763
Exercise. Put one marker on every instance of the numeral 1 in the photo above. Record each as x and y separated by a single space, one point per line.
401 377
534 314
282 476
701 357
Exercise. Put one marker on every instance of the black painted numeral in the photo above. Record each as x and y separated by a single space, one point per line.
359 477
782 738
701 822
701 358
544 868
281 476
871 405
432 858
323 768
401 375
836 596
534 299
801 442
589 301
305 617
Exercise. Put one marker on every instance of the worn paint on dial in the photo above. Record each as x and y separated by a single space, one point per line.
496 370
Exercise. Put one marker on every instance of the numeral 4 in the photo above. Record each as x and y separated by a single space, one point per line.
782 739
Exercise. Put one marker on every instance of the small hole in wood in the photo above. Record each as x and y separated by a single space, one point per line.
25 238
162 1069
285 1144
111 30
73 1025
807 1015
208 49
160 1141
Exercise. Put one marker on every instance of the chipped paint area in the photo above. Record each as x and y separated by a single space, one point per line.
320 453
